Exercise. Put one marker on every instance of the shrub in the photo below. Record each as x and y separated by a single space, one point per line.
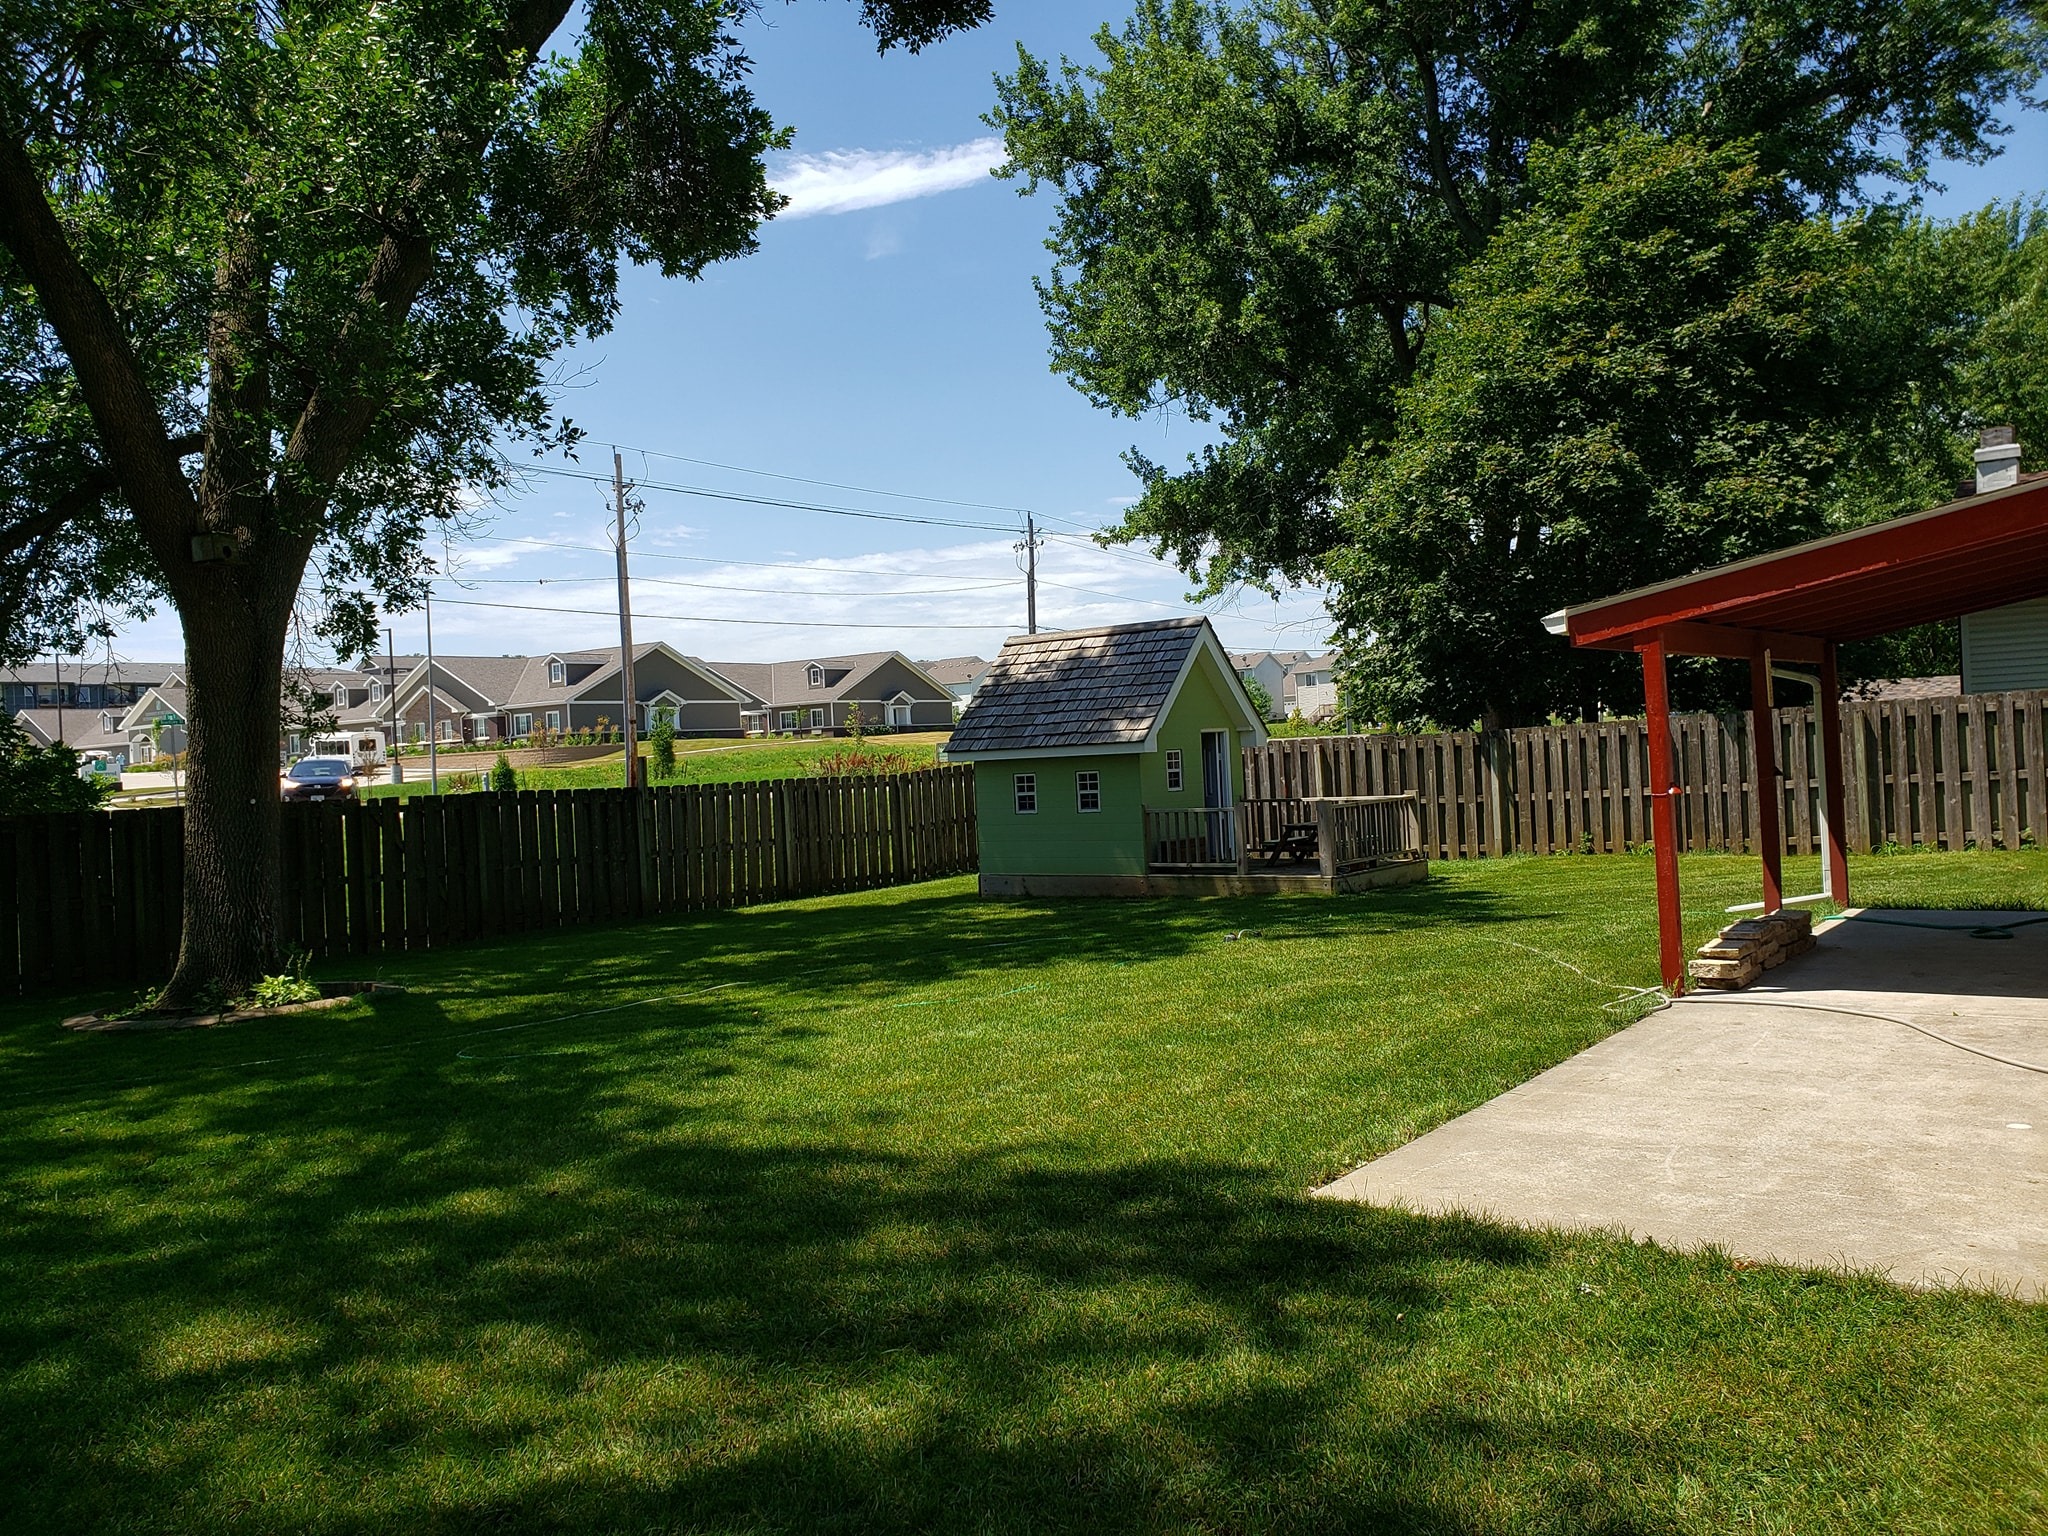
661 745
276 991
503 779
34 778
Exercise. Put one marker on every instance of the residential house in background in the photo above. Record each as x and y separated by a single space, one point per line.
91 685
817 697
1274 672
506 698
154 725
1313 694
91 733
960 675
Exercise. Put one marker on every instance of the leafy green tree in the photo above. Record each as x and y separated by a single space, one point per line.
35 778
1262 701
1266 212
278 283
503 780
661 745
1647 371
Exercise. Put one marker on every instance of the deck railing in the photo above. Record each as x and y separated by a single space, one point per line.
1331 835
1180 838
1356 832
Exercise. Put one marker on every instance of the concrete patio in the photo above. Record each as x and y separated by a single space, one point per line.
1775 1125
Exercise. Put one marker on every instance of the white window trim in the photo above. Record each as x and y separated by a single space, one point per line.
1023 787
558 672
1176 773
554 719
1087 783
522 725
817 719
788 718
815 675
376 691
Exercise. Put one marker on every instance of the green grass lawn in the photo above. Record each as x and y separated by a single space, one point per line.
909 1212
700 761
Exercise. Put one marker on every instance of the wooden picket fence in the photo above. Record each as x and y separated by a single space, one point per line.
95 897
1951 773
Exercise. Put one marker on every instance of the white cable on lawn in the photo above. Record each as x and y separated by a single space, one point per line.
1633 994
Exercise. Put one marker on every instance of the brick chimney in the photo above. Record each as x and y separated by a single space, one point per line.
1998 459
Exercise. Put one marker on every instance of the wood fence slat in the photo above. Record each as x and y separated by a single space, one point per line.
2036 768
1976 772
2008 775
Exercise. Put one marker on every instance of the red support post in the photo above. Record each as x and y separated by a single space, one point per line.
1663 819
1835 796
1763 730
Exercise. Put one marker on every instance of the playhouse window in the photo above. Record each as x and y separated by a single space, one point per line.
1027 794
1174 779
1088 791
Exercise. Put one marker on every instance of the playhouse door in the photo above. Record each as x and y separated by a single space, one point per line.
1216 795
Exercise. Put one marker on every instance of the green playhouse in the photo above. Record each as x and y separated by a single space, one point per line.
1110 762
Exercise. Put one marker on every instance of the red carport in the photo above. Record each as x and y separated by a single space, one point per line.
1796 606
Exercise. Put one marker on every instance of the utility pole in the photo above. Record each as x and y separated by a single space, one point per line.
627 696
391 683
57 664
1030 547
433 730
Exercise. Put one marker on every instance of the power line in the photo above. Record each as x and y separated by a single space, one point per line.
714 586
699 618
863 490
752 565
772 501
1122 598
834 485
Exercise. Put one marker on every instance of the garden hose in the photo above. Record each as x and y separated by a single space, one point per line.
1983 931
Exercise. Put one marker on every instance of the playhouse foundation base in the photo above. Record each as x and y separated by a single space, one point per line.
1220 883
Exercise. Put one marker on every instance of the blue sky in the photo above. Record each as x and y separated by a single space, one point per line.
886 336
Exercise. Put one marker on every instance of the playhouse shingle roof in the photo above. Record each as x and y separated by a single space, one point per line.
1077 688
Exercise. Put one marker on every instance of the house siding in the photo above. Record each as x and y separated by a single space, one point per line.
1201 705
2005 649
1061 839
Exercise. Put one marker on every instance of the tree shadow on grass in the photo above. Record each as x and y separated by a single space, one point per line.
564 1291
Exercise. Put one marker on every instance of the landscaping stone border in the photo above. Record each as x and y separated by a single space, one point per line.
332 995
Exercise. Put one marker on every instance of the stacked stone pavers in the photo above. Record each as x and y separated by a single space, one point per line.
1743 951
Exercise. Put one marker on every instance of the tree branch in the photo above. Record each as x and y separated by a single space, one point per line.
131 428
1436 152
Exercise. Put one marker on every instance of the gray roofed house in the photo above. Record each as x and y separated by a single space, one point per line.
960 675
819 695
79 728
499 698
81 684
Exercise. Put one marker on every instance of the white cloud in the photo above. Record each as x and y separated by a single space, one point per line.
843 180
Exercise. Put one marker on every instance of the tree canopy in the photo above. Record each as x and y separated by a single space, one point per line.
1269 216
279 288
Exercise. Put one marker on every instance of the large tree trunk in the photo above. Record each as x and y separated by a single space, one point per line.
234 657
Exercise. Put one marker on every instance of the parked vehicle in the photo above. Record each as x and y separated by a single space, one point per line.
320 778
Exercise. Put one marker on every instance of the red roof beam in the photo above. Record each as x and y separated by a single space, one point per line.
1973 554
